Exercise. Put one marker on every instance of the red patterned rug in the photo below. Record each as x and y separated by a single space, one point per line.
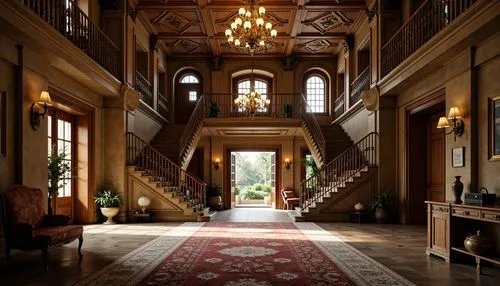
224 253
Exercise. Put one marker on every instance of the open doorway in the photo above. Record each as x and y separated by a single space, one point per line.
426 158
253 178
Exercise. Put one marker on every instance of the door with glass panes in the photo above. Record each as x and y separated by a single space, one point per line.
61 137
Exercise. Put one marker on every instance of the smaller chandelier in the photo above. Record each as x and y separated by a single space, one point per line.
251 29
251 102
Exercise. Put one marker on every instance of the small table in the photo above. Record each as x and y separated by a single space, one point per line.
138 217
358 216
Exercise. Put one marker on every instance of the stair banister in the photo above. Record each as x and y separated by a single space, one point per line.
194 123
311 123
141 154
341 169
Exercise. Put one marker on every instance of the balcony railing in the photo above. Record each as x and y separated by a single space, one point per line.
339 105
360 84
71 22
144 87
282 105
162 106
425 23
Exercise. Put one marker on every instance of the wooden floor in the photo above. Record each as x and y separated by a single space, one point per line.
399 247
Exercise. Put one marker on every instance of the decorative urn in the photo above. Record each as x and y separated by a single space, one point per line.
143 203
479 244
458 188
359 207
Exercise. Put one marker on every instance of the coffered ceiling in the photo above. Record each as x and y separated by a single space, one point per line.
305 27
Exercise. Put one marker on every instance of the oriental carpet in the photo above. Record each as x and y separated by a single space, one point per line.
245 253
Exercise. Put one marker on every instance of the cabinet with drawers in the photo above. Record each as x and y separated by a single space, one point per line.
446 230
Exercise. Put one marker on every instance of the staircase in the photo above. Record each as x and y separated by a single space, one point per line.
349 178
175 193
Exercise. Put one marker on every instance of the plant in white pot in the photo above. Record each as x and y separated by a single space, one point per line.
109 201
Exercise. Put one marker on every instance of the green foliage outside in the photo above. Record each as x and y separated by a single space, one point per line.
253 175
58 169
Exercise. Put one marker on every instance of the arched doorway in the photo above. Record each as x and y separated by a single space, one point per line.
188 88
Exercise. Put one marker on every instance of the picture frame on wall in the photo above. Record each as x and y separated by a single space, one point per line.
494 128
3 123
458 157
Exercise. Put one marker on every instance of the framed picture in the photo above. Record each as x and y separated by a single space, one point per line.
457 157
3 123
494 128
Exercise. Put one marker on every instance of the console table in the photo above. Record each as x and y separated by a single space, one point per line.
448 224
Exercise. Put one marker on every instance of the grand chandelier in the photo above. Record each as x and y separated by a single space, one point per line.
251 29
252 101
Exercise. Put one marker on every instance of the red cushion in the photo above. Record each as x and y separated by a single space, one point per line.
293 201
25 205
59 233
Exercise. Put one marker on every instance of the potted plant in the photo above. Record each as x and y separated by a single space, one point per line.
214 194
380 204
58 168
237 198
109 201
288 110
213 110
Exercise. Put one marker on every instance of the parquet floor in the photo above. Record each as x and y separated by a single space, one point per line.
399 247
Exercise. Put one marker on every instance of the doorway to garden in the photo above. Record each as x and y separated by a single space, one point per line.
253 178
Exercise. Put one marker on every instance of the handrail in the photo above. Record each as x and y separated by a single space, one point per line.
145 89
361 83
429 19
189 187
66 17
339 107
312 125
194 123
339 170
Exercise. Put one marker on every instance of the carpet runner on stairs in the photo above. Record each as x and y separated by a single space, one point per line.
243 253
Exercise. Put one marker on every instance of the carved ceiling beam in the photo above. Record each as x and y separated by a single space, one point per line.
297 17
207 27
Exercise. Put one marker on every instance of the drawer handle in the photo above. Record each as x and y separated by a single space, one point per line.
467 213
497 217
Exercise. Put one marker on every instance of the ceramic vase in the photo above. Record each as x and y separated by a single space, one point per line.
479 244
458 189
109 213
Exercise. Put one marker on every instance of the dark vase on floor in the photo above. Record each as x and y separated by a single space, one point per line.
458 189
381 215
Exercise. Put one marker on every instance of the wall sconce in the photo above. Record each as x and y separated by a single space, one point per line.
287 163
458 124
39 109
217 163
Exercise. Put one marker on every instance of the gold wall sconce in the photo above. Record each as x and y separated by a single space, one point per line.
39 109
458 123
287 163
217 163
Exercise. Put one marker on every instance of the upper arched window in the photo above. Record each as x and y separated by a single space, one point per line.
316 92
189 78
262 85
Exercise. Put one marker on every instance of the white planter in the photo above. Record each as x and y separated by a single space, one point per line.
109 213
267 200
237 199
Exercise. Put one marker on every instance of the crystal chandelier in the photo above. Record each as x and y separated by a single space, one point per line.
251 29
252 101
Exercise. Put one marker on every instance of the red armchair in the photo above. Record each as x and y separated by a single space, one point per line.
27 227
289 198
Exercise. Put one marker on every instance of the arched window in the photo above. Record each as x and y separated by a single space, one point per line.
189 78
262 85
316 92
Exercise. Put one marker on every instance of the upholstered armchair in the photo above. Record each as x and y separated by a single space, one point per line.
289 198
27 227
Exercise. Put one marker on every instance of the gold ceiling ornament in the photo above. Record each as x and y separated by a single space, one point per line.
251 29
252 101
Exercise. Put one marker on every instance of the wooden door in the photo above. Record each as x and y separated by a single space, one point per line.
186 98
61 136
233 179
273 180
435 160
196 164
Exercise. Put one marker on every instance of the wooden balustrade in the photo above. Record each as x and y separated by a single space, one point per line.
312 126
339 108
339 171
144 87
430 18
360 84
162 105
189 188
192 127
73 23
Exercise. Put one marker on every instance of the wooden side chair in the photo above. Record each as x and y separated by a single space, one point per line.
27 227
289 198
